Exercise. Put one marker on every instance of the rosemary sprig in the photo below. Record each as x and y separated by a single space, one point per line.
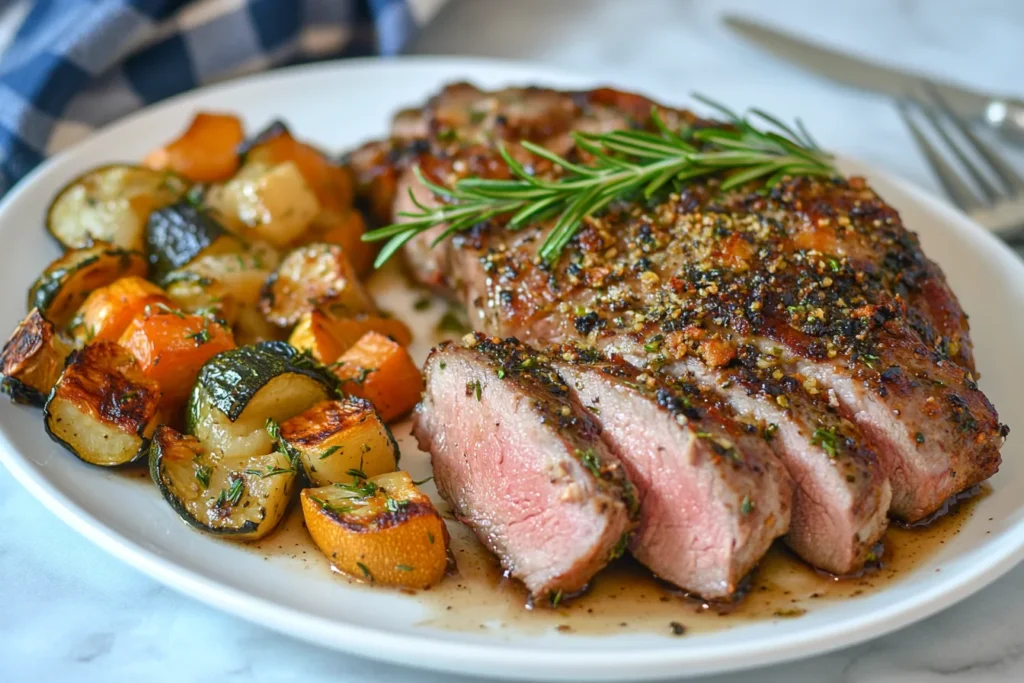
624 162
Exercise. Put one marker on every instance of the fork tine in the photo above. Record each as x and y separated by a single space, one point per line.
1007 173
990 191
957 190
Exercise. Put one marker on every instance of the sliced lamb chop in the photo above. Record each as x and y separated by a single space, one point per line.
523 465
841 492
819 270
712 496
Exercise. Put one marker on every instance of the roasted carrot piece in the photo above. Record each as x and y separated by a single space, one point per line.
381 371
171 347
327 337
206 152
109 310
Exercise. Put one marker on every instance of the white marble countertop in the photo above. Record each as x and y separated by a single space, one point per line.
71 613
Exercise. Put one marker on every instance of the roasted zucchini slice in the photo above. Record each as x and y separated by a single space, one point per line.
32 360
111 204
103 409
239 390
383 530
314 276
241 497
267 202
66 282
333 439
178 234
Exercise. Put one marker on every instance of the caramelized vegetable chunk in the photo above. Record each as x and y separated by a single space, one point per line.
68 281
32 360
331 183
241 498
335 439
314 276
327 337
381 530
207 152
109 310
103 409
171 347
381 371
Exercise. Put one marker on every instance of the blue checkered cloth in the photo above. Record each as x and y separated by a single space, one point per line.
74 65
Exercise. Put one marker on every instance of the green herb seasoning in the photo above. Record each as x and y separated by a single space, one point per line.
747 506
624 162
827 439
203 473
329 452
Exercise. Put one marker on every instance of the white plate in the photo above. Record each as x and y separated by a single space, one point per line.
339 105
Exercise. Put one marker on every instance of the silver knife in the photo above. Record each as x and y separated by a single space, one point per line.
1004 114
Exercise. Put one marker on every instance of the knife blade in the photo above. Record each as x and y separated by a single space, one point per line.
859 72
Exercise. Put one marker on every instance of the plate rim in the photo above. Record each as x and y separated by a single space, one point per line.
425 652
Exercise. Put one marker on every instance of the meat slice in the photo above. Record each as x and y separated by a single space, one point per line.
935 432
841 492
712 496
523 465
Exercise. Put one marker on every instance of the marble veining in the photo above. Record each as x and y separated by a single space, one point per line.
70 612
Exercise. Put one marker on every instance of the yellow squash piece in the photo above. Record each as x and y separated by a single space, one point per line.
382 530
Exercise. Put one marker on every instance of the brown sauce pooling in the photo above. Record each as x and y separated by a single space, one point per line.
625 597
134 471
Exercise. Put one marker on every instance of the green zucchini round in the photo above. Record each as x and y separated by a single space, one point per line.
242 498
111 204
239 391
66 282
177 234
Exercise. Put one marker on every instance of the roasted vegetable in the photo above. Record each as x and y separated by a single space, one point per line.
270 203
333 439
344 227
381 371
327 337
382 530
331 183
207 152
111 204
32 360
182 232
66 282
224 282
170 347
103 409
314 276
106 313
241 497
239 390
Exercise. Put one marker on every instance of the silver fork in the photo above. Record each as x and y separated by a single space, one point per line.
993 192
